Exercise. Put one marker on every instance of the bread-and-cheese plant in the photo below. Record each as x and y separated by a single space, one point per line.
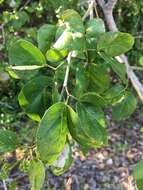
71 78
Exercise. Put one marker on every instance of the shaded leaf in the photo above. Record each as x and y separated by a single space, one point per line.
33 97
8 141
45 37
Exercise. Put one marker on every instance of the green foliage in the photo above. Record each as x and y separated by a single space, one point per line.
69 112
36 174
52 132
115 43
138 174
8 141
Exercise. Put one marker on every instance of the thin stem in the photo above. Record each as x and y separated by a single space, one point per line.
66 76
95 8
3 33
89 10
4 185
137 68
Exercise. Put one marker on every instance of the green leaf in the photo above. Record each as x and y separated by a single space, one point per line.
138 170
115 43
88 127
45 37
81 80
114 94
36 174
74 24
63 162
117 67
54 55
139 183
93 98
24 53
33 97
98 77
52 132
8 141
73 21
95 27
125 107
64 41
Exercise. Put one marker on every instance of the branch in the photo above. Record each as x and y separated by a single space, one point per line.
108 13
4 185
66 76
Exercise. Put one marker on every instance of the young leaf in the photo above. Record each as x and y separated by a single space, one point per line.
54 55
45 37
63 162
125 107
36 174
115 43
33 97
8 141
52 132
24 53
95 27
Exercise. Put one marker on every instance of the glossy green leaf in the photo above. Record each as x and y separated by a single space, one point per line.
95 27
64 41
33 97
8 141
52 132
54 55
125 107
93 98
115 43
63 162
88 127
74 24
24 53
45 37
36 174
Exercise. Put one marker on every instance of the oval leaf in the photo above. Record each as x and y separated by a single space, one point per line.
115 43
95 27
45 37
33 97
51 136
